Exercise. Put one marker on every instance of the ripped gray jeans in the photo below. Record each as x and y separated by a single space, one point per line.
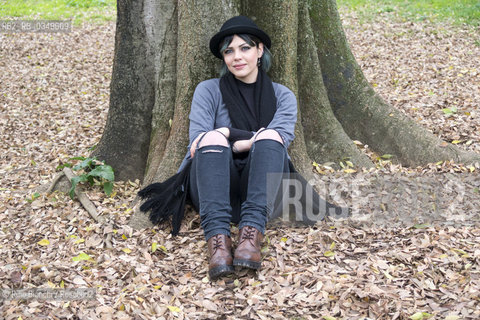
224 189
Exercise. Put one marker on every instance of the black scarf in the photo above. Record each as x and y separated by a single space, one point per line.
240 115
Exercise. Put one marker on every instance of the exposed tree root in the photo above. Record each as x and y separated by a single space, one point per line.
55 181
86 203
139 219
364 115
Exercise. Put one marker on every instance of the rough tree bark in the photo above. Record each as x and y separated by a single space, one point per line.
125 141
161 54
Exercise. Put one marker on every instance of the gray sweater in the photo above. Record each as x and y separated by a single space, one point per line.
208 112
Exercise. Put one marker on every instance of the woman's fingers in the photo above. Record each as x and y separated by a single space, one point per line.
193 147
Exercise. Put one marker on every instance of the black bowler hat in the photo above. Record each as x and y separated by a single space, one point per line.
237 25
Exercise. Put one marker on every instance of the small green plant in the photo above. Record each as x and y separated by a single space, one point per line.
94 171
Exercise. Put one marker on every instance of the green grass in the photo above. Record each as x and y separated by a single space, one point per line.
455 11
76 10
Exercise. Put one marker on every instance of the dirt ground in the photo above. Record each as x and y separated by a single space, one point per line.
411 248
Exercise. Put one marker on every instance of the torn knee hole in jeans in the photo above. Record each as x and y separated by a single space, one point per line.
212 150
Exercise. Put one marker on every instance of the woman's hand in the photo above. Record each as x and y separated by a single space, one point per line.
240 146
244 145
193 147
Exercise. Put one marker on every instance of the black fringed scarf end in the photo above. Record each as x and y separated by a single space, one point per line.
166 200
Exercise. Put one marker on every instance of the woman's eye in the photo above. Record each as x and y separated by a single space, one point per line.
227 51
245 48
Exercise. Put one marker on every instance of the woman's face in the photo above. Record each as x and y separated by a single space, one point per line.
241 59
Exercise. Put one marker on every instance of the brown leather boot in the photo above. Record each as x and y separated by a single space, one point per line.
220 252
248 252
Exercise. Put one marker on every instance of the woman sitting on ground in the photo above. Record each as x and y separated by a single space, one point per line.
240 127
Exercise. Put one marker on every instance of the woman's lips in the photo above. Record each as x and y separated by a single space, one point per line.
239 66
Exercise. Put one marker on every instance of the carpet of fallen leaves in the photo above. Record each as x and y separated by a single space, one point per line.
54 98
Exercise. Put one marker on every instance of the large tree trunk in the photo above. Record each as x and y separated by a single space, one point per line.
161 54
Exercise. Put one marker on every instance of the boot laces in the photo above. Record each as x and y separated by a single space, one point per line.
217 243
248 234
